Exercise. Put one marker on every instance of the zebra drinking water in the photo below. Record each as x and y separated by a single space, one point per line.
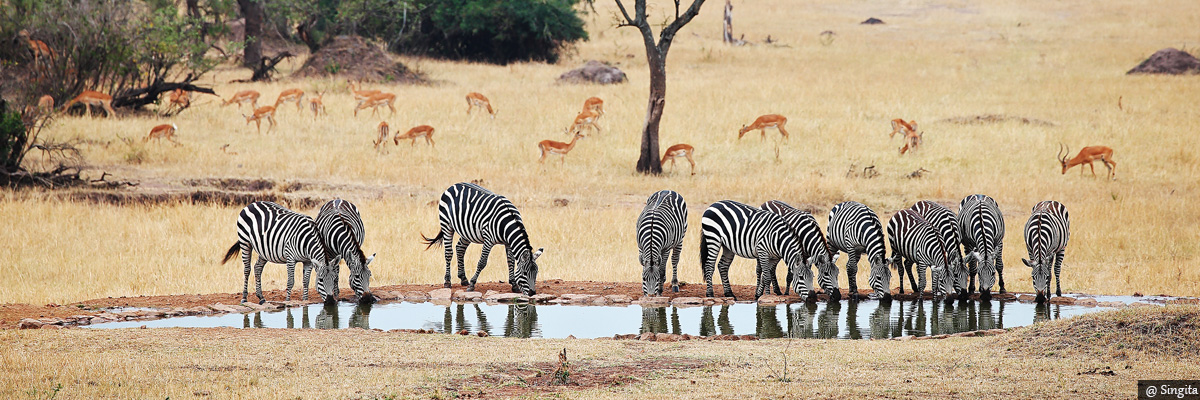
341 230
1046 236
816 250
855 229
913 239
981 228
660 230
944 221
731 228
480 216
280 236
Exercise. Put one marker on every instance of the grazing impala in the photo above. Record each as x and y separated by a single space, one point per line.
902 127
180 99
1086 156
267 112
560 148
679 150
42 53
360 95
594 104
762 123
290 96
478 100
912 140
417 132
45 104
243 97
585 118
373 102
162 131
383 134
91 98
316 105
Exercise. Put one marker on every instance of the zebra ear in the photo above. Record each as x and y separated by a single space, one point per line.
536 254
371 258
1026 263
835 257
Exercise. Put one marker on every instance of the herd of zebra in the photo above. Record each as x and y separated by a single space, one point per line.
927 235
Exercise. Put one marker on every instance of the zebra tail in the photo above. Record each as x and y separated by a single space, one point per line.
236 248
703 251
430 241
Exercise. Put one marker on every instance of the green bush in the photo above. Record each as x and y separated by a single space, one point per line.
495 31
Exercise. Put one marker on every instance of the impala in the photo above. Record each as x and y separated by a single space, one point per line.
316 105
679 150
478 100
45 104
560 148
42 53
290 96
360 95
383 133
766 121
179 98
1086 156
594 104
912 140
162 131
901 127
415 133
267 112
91 98
375 101
243 97
585 118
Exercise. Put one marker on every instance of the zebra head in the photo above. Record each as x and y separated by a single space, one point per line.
652 279
958 275
1040 270
525 270
881 279
327 280
801 277
361 282
828 273
987 273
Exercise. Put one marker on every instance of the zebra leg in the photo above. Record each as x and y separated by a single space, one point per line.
258 268
709 259
1000 265
246 262
921 271
766 277
307 267
1058 269
908 264
461 251
675 267
898 263
447 247
852 273
483 257
723 268
662 270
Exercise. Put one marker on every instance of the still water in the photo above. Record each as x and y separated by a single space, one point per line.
837 320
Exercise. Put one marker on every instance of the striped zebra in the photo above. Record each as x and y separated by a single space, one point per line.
1046 236
915 240
480 216
815 249
660 230
981 228
731 228
280 236
855 229
946 224
341 230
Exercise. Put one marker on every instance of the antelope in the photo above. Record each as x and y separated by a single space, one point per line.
45 104
1086 156
585 118
415 133
912 140
679 150
560 148
383 133
375 101
316 105
360 95
764 122
594 104
180 98
243 97
267 112
39 49
901 127
478 100
162 131
289 96
91 98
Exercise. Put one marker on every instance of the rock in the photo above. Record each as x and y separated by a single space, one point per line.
441 294
578 298
1184 301
1168 61
542 298
1027 298
872 21
921 338
905 338
467 296
200 310
654 301
593 72
998 331
50 326
963 334
619 298
490 293
1142 304
255 306
943 336
687 301
708 301
748 337
647 336
570 336
416 297
1062 300
666 337
483 334
223 308
772 299
685 337
624 337
29 323
507 298
1086 302
600 301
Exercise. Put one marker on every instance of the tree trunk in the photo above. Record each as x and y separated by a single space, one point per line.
253 12
649 163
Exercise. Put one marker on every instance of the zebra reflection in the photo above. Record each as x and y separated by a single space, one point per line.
708 328
654 319
521 321
328 317
361 318
882 326
767 326
801 320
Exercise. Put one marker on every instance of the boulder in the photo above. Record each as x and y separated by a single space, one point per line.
1062 300
687 301
416 296
1026 298
1114 304
619 298
648 336
1168 61
1086 302
1142 304
872 21
654 301
441 294
506 297
772 299
964 334
593 72
542 298
600 301
223 308
29 323
578 298
467 296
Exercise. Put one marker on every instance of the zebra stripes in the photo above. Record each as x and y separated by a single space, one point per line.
946 223
660 230
1046 236
913 239
341 230
731 228
280 236
813 246
856 230
981 228
480 216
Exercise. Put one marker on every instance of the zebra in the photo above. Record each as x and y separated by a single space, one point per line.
1046 236
913 239
660 230
981 228
733 228
816 250
946 223
480 216
280 236
341 230
855 230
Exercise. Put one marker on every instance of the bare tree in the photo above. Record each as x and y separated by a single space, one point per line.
656 57
252 10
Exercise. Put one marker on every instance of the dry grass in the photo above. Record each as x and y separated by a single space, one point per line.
1061 62
1172 332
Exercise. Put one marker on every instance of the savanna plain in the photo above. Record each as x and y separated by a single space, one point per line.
1056 68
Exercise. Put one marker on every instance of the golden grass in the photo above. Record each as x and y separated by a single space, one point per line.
1061 62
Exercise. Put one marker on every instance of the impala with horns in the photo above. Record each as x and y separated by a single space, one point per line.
383 134
316 105
476 100
1086 156
912 141
763 122
902 127
243 97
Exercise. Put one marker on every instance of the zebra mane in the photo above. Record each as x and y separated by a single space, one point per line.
362 258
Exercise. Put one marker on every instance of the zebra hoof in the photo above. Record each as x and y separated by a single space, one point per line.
1002 291
675 288
262 301
835 295
446 285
